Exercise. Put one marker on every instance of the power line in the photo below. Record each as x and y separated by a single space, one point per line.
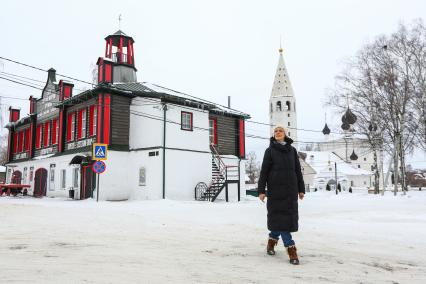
20 83
40 69
178 92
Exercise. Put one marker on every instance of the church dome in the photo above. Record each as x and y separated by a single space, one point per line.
348 117
326 130
353 156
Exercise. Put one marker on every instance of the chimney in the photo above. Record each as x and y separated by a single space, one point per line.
32 105
14 114
51 75
229 101
65 90
105 66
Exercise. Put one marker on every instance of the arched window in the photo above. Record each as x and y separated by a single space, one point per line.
278 106
288 104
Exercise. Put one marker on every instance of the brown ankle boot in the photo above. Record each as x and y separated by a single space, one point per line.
292 254
270 247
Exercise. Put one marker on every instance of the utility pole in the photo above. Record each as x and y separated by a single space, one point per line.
164 149
335 173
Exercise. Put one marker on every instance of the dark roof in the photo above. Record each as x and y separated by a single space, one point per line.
119 32
154 91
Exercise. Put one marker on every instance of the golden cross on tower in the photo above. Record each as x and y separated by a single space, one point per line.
281 49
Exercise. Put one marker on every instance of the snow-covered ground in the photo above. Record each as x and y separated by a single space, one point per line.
348 238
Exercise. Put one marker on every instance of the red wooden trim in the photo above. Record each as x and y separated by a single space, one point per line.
99 122
133 56
38 134
107 110
106 48
242 139
54 132
60 131
67 92
46 134
21 141
120 48
91 118
100 70
27 139
108 73
69 125
129 55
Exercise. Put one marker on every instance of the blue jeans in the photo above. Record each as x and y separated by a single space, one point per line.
286 237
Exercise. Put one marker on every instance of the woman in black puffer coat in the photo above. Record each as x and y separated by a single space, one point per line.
282 175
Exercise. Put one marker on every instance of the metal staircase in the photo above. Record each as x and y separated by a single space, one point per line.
222 175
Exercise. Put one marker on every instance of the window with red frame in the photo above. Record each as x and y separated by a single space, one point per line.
27 139
93 118
186 120
213 131
55 128
46 133
38 136
81 131
70 126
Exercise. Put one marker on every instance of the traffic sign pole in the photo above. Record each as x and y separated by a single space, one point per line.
97 189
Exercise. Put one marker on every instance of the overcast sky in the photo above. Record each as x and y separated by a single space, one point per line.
209 49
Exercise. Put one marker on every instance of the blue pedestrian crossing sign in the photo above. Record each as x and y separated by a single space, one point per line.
99 151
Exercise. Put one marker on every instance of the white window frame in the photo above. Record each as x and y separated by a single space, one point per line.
95 119
186 120
73 126
83 122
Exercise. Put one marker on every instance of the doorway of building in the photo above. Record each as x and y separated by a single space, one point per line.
88 181
40 182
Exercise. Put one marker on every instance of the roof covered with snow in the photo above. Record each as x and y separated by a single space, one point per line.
322 161
159 91
2 169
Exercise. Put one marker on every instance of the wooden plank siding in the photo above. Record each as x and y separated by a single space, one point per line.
120 121
227 134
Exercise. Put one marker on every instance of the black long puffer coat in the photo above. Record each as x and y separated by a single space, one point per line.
282 174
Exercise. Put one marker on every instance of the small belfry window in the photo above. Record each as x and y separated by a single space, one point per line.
186 120
278 106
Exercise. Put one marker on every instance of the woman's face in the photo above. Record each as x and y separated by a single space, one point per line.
279 134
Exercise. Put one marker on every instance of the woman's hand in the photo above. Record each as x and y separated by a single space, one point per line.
301 195
262 197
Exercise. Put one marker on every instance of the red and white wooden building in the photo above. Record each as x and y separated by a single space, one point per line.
160 141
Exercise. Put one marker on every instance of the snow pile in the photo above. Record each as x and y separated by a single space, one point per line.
345 238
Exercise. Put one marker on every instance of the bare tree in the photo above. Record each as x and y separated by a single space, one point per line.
3 149
252 167
382 83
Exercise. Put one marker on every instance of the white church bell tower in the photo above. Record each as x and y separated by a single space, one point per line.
282 103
